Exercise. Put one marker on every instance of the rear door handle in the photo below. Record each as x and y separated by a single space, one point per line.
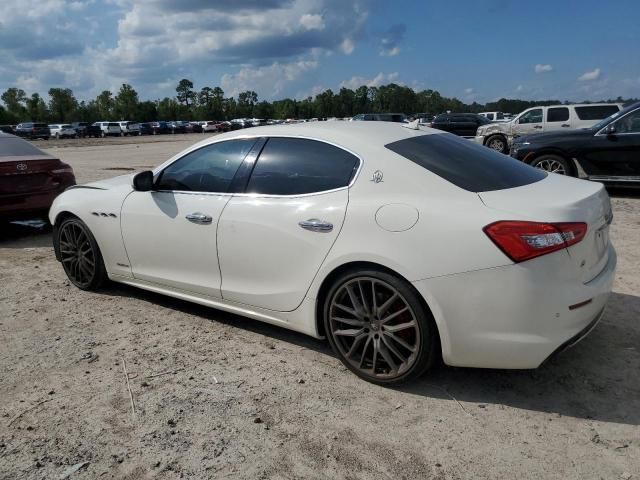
315 225
198 217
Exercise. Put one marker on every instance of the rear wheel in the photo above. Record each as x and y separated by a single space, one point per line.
377 325
497 143
552 164
79 254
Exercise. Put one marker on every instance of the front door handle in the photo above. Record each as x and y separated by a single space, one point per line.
537 126
198 217
565 125
315 225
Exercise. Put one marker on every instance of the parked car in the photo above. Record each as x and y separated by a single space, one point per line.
29 179
395 244
108 128
194 127
129 128
381 117
209 126
7 129
462 124
607 152
499 136
493 116
177 126
145 128
158 128
33 130
60 130
84 129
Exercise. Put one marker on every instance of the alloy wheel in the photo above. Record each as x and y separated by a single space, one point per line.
551 165
374 328
77 254
497 144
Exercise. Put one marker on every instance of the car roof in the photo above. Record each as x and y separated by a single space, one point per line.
354 136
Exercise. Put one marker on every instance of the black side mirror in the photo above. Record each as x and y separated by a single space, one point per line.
143 181
611 129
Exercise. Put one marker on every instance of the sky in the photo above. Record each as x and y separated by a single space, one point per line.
475 50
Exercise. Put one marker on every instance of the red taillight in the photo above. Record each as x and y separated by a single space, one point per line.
522 241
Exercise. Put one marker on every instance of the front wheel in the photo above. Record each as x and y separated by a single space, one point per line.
379 328
79 254
552 164
497 143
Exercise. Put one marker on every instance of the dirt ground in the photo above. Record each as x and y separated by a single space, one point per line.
221 396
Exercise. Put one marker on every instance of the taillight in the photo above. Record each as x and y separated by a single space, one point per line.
64 168
522 241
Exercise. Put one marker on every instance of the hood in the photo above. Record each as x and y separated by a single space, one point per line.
110 183
548 137
503 127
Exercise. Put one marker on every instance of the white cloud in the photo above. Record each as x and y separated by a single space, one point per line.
543 68
589 76
312 22
392 52
347 46
270 80
391 39
469 91
380 79
519 88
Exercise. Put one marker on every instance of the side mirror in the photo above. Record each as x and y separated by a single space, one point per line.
611 129
143 181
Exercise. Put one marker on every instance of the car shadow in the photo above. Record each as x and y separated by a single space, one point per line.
596 379
26 234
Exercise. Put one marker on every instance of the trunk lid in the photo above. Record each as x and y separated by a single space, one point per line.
563 199
26 175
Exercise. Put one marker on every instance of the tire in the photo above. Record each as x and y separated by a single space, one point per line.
552 164
80 255
377 353
57 136
497 143
103 134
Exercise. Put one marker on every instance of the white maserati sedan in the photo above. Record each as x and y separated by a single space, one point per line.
398 245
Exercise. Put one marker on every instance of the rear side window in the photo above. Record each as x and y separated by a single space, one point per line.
465 164
295 166
557 114
596 112
10 147
208 169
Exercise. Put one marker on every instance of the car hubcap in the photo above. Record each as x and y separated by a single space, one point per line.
496 145
550 165
374 327
78 257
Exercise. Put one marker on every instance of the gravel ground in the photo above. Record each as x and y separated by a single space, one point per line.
221 396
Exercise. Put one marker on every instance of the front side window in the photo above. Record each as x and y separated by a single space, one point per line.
629 123
558 114
295 166
208 169
489 116
532 116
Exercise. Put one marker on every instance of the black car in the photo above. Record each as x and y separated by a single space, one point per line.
178 126
7 129
33 130
85 129
158 128
462 124
381 117
607 152
146 129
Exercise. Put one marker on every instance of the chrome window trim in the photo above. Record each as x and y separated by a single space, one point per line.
161 167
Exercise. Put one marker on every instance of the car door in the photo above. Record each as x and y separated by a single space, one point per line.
615 154
558 118
529 122
170 232
273 238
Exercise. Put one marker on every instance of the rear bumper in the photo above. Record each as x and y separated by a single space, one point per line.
515 316
25 205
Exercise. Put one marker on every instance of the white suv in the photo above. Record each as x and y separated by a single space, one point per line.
499 136
109 128
129 128
62 130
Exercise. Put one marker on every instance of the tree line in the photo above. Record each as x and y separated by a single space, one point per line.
210 103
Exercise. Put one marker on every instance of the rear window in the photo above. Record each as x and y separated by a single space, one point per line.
465 164
596 112
15 147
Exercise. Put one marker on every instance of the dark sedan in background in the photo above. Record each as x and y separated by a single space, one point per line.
607 152
33 130
29 179
462 124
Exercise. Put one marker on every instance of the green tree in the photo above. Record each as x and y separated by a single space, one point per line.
105 105
246 101
37 109
126 103
62 104
14 99
185 92
147 111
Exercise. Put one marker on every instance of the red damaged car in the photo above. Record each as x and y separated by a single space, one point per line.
29 179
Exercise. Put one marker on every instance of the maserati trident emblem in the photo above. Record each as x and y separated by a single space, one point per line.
21 166
377 176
